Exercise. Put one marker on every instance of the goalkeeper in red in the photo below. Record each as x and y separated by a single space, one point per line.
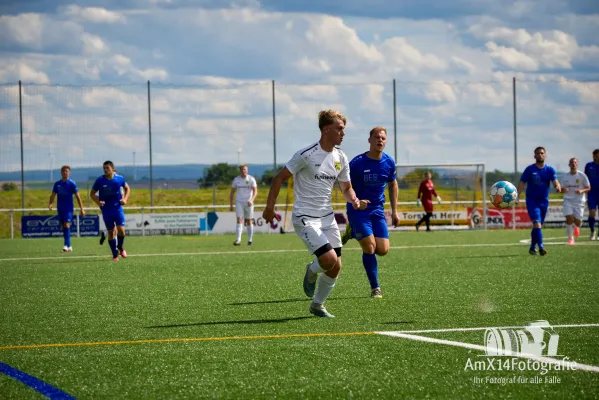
370 173
426 191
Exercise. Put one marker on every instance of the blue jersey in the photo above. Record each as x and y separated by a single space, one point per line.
591 170
64 193
109 191
369 177
537 182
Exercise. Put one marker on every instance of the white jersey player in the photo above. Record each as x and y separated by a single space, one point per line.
244 190
575 184
315 169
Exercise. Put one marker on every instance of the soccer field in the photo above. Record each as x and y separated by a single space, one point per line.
195 317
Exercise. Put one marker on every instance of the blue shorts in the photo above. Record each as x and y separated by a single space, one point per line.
113 217
592 200
537 210
368 222
65 216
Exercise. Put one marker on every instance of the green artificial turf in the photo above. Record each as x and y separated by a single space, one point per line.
195 317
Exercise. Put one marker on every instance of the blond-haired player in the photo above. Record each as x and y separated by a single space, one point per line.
315 169
575 185
244 190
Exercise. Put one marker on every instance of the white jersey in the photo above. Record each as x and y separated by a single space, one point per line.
315 172
577 181
244 188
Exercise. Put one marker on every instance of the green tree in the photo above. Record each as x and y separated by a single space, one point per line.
496 176
9 186
219 173
269 174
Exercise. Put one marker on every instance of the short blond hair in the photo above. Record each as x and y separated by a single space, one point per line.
328 117
242 166
377 129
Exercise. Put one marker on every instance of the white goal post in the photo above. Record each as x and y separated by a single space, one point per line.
464 179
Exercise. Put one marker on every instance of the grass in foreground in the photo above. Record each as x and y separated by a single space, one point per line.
252 292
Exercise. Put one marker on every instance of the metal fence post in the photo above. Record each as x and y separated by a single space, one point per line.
143 226
22 158
12 224
78 226
395 122
150 143
274 128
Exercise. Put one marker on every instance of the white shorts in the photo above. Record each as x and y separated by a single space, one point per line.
317 232
574 209
242 210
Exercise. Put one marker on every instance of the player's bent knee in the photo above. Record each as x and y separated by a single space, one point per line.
382 251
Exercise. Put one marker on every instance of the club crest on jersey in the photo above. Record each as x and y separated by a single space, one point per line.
337 166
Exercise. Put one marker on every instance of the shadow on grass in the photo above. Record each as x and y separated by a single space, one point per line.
241 322
398 323
293 300
496 256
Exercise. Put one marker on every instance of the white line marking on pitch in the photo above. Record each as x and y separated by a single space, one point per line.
494 327
233 253
549 239
549 360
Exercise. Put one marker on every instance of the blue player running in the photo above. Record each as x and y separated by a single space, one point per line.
370 172
591 170
106 193
64 189
537 178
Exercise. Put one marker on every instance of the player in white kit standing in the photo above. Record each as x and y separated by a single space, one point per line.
315 169
575 185
244 190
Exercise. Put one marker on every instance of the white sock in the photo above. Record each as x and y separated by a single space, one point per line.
323 288
315 267
570 230
250 232
238 229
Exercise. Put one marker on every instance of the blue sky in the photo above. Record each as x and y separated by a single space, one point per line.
211 64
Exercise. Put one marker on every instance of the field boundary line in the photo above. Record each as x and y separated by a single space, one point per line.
233 252
493 327
548 360
181 340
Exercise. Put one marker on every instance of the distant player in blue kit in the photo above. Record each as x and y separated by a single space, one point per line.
370 172
106 193
537 178
591 170
64 189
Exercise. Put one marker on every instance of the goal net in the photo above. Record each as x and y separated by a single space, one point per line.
461 187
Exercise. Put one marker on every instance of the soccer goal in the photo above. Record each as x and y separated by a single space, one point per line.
462 188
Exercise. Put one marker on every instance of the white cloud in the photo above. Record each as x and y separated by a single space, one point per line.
14 71
93 44
440 92
463 64
94 14
401 56
25 29
511 57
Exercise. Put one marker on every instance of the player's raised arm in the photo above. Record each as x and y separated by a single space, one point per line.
275 187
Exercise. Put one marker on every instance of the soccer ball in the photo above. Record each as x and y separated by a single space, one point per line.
503 194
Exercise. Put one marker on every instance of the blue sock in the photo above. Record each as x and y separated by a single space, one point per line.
120 240
533 239
371 266
66 233
538 232
592 224
112 244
